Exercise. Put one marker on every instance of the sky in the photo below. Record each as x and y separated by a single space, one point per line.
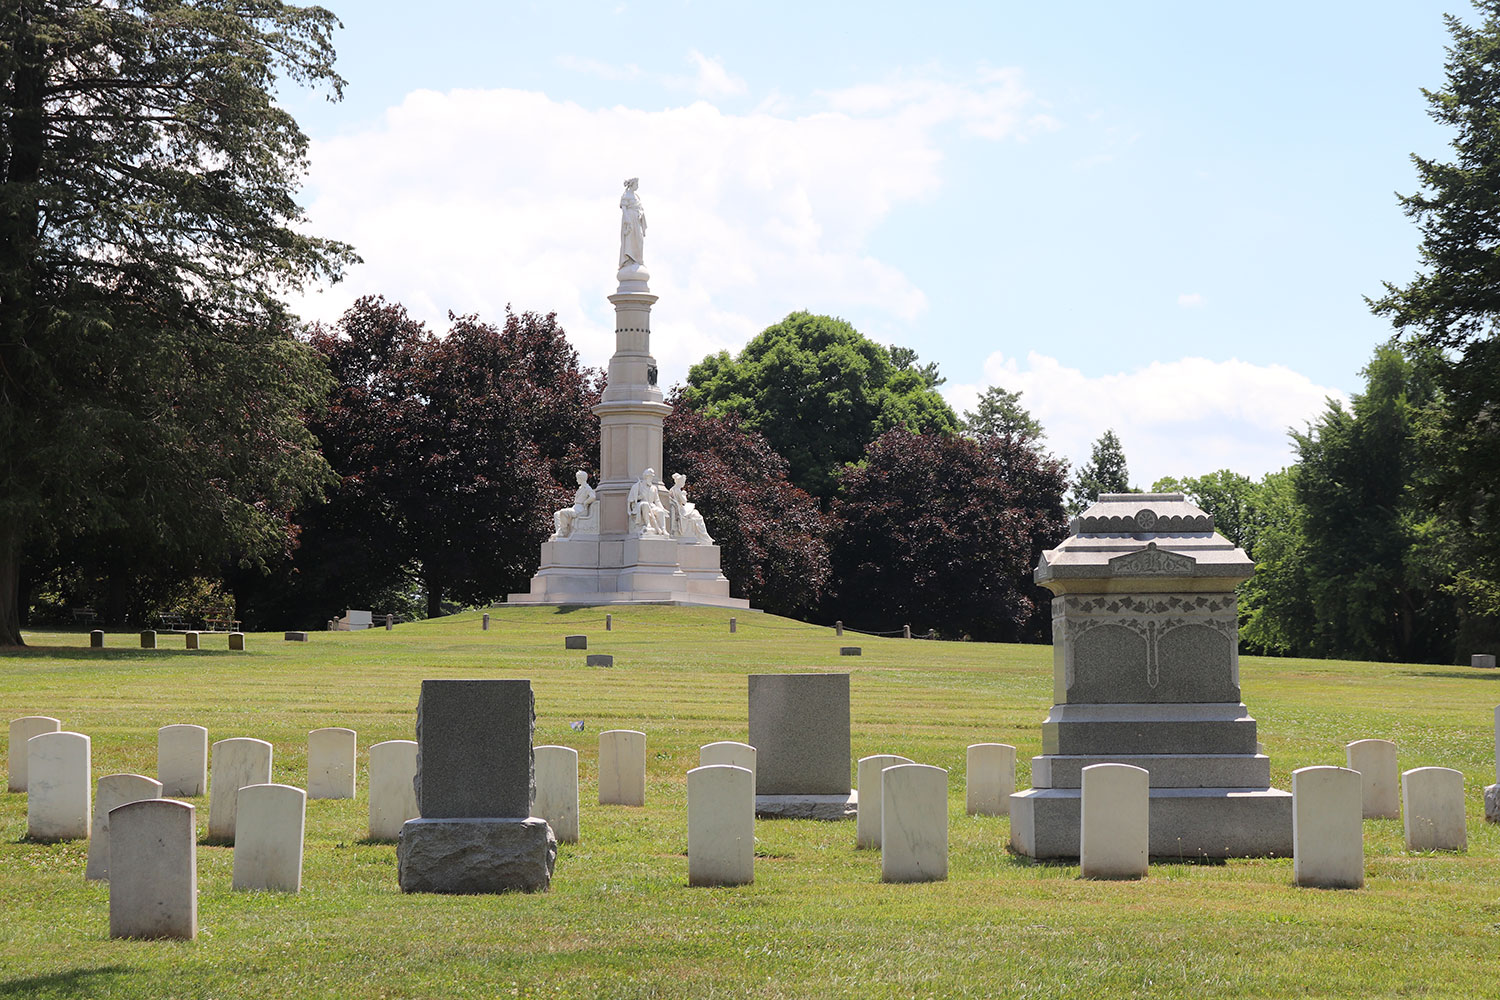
1158 218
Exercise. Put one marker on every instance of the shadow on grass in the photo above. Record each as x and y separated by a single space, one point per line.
1472 674
74 983
85 653
375 842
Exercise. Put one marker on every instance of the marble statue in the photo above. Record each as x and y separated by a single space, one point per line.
647 515
632 226
686 523
565 520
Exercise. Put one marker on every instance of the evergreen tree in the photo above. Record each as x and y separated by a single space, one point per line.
150 385
999 411
1452 308
1104 472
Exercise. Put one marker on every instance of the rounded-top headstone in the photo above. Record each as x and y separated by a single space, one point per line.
913 823
182 760
1380 777
1432 808
153 888
393 799
58 786
1115 826
867 821
21 730
234 764
114 790
1328 848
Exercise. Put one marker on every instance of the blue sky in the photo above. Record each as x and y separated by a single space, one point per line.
1160 217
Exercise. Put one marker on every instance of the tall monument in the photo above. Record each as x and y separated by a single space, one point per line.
632 539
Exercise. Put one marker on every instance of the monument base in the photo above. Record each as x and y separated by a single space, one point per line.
1492 803
628 570
824 807
468 856
1184 822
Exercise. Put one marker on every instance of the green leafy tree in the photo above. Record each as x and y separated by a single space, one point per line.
1104 472
818 391
905 359
1355 563
999 411
149 382
1452 308
1230 497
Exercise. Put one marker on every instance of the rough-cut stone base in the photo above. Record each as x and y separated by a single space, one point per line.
829 807
464 856
1185 822
1492 803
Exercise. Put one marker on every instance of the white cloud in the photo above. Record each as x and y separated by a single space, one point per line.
713 79
470 200
1190 300
1174 418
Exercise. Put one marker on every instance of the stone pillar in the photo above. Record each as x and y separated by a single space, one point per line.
906 631
989 779
23 729
153 885
485 627
867 830
913 823
557 790
609 622
182 760
1328 846
393 797
721 825
58 789
733 623
390 622
838 628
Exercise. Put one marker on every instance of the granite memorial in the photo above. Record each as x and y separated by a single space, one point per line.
799 726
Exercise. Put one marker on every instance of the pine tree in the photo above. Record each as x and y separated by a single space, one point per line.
1104 472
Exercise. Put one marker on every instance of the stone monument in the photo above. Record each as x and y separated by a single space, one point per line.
631 539
475 788
1145 669
799 727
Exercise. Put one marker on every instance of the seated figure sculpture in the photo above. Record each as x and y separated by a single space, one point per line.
647 515
582 515
686 523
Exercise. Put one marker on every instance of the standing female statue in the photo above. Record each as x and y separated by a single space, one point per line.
632 226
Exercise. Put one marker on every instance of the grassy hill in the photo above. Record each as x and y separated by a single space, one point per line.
620 921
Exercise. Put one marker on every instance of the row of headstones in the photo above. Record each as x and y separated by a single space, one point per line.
55 775
191 640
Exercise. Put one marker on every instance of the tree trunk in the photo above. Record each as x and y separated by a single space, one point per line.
434 597
10 597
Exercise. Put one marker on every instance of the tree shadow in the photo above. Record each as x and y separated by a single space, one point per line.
73 983
1472 674
126 655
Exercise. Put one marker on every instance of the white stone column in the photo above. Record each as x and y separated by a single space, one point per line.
330 763
1432 805
1375 760
913 823
1115 827
153 887
721 825
557 790
989 779
622 768
393 798
235 763
58 786
268 837
867 820
1328 847
114 790
182 760
25 728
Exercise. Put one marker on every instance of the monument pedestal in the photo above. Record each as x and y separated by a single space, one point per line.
824 807
1146 673
466 856
626 570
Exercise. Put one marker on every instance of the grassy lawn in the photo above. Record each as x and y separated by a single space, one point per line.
620 921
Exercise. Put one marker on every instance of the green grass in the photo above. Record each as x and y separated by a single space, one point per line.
620 921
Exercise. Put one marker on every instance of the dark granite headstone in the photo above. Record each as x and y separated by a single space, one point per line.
474 749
